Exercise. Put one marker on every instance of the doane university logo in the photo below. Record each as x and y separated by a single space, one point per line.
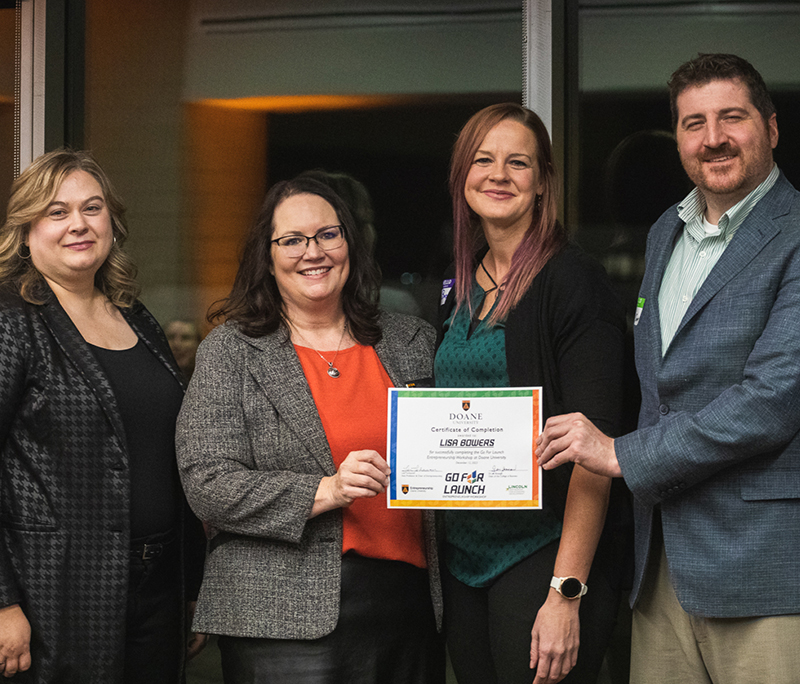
465 404
404 488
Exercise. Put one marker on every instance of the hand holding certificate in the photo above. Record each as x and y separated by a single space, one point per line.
454 448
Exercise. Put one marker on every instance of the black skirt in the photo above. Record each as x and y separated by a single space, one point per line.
386 634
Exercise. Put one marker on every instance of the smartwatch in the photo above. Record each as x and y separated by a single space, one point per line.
569 587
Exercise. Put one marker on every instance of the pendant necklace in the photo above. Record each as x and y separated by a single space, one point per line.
333 371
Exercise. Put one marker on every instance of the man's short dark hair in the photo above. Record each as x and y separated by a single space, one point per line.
719 67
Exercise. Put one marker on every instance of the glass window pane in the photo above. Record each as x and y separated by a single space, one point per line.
629 167
7 45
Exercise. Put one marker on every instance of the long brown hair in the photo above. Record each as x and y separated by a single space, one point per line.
31 194
545 236
255 304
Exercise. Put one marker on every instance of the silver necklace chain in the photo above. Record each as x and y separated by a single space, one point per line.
333 371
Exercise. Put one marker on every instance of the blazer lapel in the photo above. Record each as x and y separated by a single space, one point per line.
395 351
277 370
149 332
77 351
753 235
387 359
664 240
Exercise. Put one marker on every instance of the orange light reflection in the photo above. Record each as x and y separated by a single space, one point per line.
301 103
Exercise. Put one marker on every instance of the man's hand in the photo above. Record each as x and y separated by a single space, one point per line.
573 437
15 641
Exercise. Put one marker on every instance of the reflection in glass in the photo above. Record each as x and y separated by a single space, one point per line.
630 172
7 43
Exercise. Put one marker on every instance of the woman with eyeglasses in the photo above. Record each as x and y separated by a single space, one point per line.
281 447
527 598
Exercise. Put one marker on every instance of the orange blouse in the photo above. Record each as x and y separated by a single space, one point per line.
353 409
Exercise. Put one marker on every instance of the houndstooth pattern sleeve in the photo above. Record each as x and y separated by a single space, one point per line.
14 345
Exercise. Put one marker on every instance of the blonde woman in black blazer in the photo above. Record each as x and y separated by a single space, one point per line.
81 479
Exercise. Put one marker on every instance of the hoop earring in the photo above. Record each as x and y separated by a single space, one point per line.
23 256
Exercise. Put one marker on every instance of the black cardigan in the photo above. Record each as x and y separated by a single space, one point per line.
566 335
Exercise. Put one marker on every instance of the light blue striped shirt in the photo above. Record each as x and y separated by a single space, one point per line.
696 252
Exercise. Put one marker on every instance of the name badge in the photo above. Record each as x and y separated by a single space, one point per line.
639 307
447 285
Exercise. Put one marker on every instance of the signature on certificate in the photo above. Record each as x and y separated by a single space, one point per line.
419 470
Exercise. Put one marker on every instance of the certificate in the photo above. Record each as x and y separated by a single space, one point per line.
464 448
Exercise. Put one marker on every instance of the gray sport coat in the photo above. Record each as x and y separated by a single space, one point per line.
718 447
251 452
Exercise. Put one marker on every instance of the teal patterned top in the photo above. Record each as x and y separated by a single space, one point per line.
480 545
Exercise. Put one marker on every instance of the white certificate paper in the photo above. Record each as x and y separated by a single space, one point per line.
464 448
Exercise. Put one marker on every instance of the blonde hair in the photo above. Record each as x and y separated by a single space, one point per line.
31 193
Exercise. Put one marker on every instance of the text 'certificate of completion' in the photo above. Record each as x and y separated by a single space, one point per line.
457 448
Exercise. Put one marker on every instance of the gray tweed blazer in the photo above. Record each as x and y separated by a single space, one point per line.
251 453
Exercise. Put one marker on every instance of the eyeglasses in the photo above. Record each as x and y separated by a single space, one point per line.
327 239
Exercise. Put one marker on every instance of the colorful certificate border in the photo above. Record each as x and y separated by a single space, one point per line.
396 393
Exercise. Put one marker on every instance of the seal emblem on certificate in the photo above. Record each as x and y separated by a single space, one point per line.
457 448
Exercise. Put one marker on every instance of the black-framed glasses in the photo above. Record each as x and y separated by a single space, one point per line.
327 239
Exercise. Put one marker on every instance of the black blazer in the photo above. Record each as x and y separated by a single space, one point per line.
64 490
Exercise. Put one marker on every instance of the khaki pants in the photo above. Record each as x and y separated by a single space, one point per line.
669 646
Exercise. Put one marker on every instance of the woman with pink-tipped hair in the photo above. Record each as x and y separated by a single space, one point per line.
525 307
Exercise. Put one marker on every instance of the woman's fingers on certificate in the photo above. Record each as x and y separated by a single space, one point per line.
573 437
362 474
